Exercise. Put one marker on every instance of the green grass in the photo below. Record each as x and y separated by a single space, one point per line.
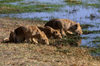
8 8
98 10
91 32
28 3
73 2
69 40
95 5
84 26
9 1
96 40
95 51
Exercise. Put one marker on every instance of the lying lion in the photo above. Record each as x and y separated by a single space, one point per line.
50 32
28 34
65 26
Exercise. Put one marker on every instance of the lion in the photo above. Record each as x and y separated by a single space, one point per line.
65 26
50 32
28 34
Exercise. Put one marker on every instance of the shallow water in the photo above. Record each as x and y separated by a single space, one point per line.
79 13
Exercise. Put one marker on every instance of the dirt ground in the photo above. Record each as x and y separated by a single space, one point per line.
26 54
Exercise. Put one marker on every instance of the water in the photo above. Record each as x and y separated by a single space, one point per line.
78 13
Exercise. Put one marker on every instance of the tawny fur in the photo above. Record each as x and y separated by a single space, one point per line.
65 26
28 34
50 32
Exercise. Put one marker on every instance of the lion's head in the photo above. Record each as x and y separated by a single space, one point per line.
42 38
56 34
76 29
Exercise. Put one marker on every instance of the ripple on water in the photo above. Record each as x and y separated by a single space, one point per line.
88 42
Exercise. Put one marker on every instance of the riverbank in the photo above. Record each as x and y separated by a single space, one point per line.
40 55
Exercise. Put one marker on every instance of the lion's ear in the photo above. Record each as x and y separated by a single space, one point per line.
78 24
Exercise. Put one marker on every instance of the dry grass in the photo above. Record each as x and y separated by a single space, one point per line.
25 54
